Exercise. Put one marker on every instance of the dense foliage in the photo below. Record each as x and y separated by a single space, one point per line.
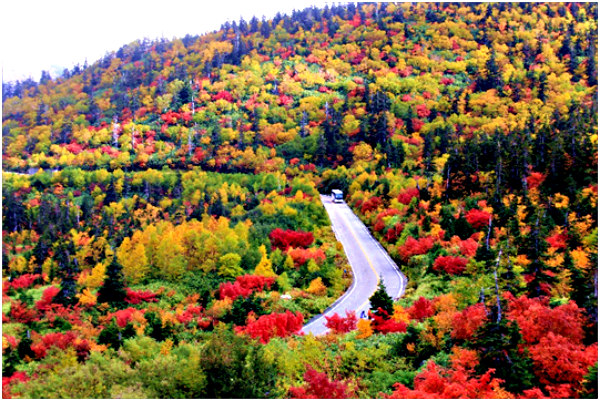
168 238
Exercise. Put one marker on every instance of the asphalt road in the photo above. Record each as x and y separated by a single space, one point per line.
369 261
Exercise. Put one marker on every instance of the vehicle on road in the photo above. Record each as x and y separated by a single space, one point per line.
337 196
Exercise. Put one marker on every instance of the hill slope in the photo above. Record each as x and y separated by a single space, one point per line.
464 135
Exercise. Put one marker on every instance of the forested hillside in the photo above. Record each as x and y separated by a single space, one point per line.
165 237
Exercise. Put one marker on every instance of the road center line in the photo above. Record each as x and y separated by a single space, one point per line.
360 246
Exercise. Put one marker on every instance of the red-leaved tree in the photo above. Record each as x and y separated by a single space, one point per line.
339 324
436 382
414 247
478 218
381 323
406 196
244 286
537 319
300 256
284 239
273 325
19 312
47 296
318 386
450 264
466 322
558 361
422 309
137 297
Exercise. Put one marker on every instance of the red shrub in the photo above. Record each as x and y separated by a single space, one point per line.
379 225
535 180
558 361
123 316
537 319
25 281
423 111
58 340
70 314
39 350
394 233
19 312
406 196
558 240
290 239
382 323
468 247
285 100
318 386
437 382
254 282
191 314
46 302
417 124
233 291
199 155
450 264
137 297
300 256
223 95
415 247
340 324
467 322
421 309
273 325
74 148
12 341
82 348
244 286
371 204
478 218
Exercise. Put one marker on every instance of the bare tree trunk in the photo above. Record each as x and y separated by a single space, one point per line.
499 317
115 134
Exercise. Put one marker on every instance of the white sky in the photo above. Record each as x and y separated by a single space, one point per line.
46 34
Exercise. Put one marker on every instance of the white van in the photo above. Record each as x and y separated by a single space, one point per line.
337 196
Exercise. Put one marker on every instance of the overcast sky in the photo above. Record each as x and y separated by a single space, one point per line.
55 34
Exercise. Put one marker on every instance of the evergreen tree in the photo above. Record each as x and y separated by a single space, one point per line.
462 228
535 249
68 267
113 289
498 346
493 76
381 299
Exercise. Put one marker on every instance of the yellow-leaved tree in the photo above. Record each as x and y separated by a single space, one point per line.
229 265
265 266
134 261
364 328
93 279
317 287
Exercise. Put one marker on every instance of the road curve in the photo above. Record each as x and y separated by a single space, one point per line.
369 261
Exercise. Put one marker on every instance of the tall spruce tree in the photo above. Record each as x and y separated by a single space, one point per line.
113 289
381 299
68 267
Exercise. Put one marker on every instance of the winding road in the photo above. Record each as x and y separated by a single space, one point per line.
369 261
